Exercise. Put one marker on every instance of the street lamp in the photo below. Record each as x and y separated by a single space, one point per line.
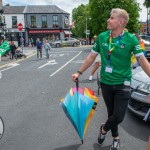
87 32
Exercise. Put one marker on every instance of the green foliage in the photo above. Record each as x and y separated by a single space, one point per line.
99 12
147 3
79 15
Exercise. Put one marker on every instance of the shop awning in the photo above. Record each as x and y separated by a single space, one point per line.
44 31
67 32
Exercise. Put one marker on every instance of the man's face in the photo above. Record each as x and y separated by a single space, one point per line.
113 22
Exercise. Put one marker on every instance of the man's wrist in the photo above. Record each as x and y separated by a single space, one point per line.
79 72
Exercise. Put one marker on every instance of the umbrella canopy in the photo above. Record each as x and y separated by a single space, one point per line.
79 106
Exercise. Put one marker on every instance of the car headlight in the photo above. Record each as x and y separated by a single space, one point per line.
144 87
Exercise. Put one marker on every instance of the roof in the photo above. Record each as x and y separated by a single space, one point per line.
34 9
38 9
13 9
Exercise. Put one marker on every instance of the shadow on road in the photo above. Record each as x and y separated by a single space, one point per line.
136 127
97 147
70 147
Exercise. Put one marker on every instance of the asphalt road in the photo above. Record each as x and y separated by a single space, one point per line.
29 105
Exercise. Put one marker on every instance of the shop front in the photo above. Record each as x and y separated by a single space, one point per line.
50 35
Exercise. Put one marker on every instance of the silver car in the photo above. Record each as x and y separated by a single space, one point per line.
139 103
66 42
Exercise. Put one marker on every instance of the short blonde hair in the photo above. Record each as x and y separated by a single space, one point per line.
121 13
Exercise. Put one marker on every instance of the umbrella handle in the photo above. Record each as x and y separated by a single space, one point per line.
77 84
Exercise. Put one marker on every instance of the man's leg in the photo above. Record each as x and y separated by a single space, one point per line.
40 53
96 66
37 53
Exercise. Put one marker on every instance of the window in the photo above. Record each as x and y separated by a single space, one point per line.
33 22
44 21
14 21
55 21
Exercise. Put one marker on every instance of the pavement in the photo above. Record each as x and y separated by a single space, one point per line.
28 51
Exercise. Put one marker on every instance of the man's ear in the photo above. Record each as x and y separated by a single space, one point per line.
121 22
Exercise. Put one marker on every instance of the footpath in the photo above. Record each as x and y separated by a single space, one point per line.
28 51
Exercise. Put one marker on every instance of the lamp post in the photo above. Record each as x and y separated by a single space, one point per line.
87 32
86 28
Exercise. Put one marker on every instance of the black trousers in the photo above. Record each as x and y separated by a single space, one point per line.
39 51
116 99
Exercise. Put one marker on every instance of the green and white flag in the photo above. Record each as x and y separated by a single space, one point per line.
4 48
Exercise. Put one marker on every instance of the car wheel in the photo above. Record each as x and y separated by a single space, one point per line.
57 45
75 44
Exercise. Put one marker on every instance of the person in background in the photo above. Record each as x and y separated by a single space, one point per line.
39 45
12 50
115 47
47 48
32 42
133 58
95 67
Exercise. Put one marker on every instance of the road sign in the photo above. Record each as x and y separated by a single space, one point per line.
20 26
87 32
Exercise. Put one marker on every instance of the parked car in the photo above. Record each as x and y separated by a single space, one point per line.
66 42
139 103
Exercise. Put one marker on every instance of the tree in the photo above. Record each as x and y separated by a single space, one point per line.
146 3
79 15
100 12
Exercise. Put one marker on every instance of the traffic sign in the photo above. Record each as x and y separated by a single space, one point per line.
66 21
20 26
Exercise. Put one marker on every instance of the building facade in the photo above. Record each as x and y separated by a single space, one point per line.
49 22
11 17
39 21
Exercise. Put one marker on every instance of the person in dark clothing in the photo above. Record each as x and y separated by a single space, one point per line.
12 50
39 45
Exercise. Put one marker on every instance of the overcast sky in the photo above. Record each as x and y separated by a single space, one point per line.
66 5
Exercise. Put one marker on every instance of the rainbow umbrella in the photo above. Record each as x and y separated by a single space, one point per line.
79 106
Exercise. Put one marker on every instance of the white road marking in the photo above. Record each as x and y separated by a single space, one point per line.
11 66
65 64
78 61
51 62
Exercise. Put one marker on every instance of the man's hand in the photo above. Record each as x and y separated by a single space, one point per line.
75 76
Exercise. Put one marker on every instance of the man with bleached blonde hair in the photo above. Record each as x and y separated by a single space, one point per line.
115 47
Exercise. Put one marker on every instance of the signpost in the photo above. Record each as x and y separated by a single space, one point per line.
20 27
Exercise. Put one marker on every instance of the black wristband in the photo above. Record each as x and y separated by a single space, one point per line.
79 72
